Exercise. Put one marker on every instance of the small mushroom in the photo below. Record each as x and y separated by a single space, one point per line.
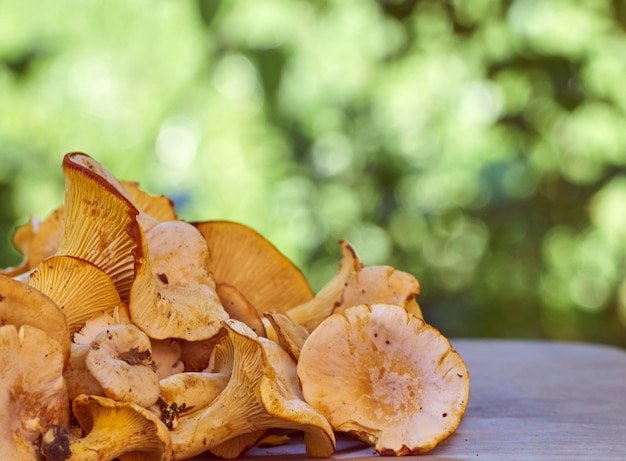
255 398
64 278
114 430
173 294
385 377
33 395
77 376
244 259
311 313
21 304
120 358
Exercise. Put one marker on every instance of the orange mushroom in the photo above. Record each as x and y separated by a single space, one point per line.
64 278
380 284
36 240
386 377
312 312
242 258
33 395
21 304
99 223
159 207
173 294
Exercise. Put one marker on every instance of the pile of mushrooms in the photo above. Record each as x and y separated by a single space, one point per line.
129 333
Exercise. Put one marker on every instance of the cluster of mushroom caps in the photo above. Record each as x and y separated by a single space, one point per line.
127 333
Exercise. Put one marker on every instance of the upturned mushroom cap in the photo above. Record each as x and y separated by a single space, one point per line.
114 430
64 278
256 397
99 222
243 258
386 377
381 285
311 313
33 395
173 294
24 305
120 358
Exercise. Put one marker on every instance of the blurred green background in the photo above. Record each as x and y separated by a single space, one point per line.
479 145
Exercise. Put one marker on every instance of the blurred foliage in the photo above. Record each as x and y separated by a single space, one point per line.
478 145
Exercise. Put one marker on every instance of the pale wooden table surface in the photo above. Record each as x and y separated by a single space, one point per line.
528 401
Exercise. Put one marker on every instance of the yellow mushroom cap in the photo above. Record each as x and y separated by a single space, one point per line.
386 377
99 222
114 430
64 278
243 258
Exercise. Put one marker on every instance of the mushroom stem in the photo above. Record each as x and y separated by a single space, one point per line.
222 420
101 444
256 397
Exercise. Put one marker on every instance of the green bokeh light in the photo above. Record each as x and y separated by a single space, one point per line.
477 145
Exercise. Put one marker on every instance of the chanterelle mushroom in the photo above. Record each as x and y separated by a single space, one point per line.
381 285
245 260
36 240
64 278
289 334
21 304
159 207
256 397
99 223
309 314
386 377
33 395
173 294
120 358
115 430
